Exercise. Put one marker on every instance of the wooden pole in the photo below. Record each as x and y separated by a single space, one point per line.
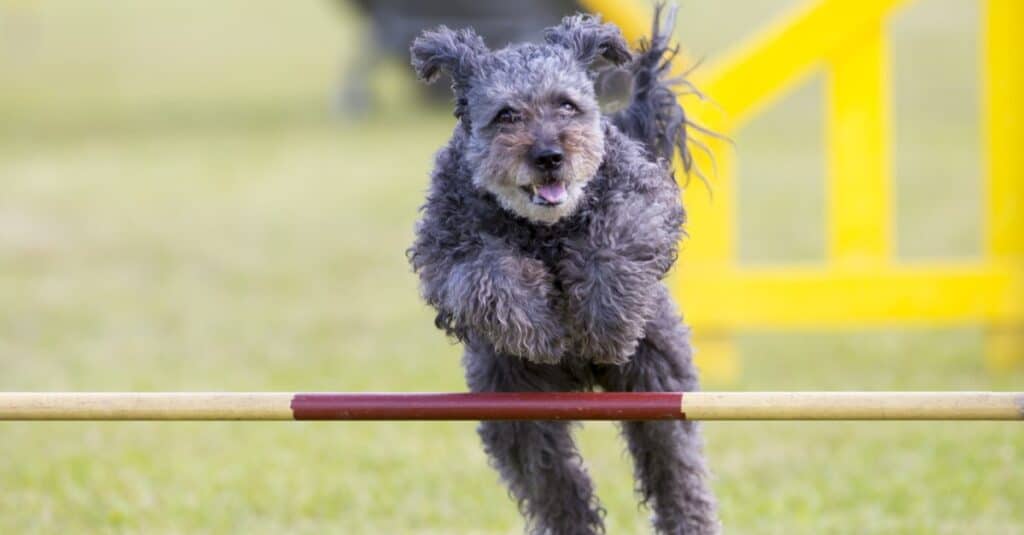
512 406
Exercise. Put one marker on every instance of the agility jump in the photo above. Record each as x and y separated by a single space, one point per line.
512 406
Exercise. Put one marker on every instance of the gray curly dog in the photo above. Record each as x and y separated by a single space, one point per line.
546 233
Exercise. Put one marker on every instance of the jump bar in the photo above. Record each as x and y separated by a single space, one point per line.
512 406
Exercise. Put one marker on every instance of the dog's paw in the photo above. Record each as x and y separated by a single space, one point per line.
613 359
544 344
609 351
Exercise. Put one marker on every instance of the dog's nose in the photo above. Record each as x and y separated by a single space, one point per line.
547 159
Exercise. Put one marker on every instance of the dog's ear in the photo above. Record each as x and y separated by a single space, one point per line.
455 53
589 39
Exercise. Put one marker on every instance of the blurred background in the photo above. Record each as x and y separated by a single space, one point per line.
218 196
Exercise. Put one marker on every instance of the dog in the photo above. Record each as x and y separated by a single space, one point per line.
547 231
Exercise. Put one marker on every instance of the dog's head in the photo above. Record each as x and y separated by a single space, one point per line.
535 135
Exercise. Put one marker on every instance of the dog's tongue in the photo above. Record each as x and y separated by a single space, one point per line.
553 193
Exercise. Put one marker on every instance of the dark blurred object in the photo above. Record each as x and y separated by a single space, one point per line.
395 23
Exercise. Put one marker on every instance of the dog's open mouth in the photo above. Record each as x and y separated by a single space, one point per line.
550 194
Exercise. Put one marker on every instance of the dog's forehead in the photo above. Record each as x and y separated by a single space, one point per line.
522 71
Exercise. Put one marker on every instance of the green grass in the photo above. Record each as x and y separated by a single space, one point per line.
178 213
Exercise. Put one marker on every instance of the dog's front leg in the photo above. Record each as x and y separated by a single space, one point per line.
500 295
608 301
610 274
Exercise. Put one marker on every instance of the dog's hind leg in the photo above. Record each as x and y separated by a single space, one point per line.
667 458
537 460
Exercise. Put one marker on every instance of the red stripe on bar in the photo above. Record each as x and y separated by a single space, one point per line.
489 406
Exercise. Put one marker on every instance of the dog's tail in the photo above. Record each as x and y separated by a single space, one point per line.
654 116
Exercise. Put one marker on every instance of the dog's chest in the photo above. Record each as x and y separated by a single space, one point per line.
539 241
545 243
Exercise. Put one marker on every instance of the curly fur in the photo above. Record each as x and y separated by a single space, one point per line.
566 297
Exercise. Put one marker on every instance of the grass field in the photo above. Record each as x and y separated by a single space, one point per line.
179 212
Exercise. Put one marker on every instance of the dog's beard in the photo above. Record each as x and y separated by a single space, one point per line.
531 194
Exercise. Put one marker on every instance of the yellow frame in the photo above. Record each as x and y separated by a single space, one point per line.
860 284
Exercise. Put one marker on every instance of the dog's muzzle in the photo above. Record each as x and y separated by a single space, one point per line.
548 194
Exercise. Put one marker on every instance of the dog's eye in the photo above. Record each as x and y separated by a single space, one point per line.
568 107
506 116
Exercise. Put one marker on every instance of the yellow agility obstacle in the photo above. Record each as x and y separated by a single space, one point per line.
860 284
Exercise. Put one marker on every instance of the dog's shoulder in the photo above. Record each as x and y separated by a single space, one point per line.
449 172
627 170
451 194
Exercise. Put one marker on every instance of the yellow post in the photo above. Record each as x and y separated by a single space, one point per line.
711 247
858 150
1003 101
750 77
